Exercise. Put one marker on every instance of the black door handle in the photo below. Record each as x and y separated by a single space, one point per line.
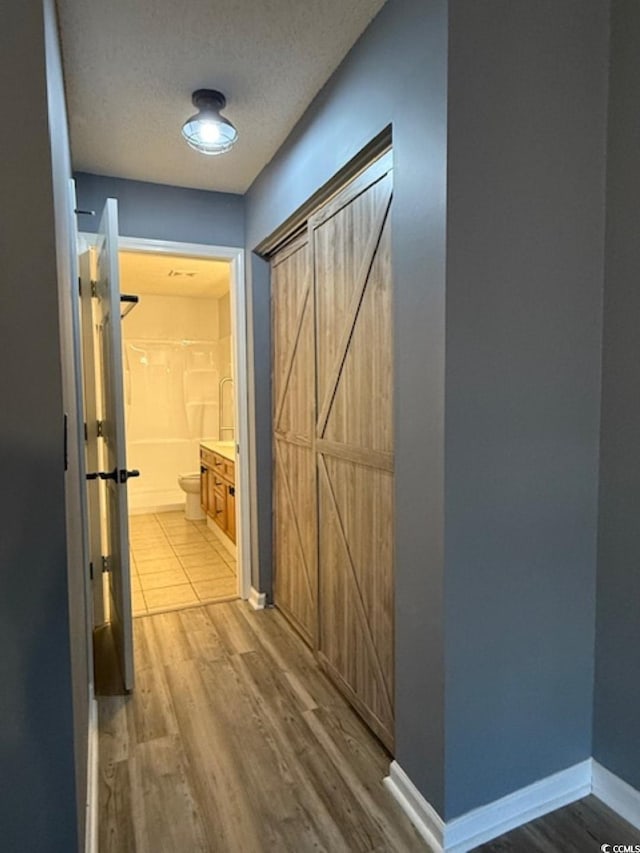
103 475
118 477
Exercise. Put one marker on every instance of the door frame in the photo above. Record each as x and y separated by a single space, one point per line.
242 367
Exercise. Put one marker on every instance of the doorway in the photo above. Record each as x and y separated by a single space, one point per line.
179 388
184 396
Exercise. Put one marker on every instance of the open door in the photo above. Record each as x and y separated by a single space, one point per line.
93 431
115 473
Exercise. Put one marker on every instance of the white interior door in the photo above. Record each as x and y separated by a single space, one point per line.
114 474
91 419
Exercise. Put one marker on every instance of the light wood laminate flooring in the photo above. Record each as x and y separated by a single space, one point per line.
234 741
177 563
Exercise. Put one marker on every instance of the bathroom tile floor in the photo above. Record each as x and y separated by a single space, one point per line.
177 563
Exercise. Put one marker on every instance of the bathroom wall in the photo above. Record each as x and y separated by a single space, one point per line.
172 369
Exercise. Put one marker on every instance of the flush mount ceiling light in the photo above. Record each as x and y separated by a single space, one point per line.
208 131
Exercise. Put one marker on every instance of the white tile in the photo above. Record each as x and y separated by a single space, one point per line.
171 596
160 564
158 580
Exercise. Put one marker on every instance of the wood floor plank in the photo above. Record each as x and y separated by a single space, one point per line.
263 776
114 734
330 795
202 637
362 762
581 826
167 638
151 713
230 819
279 643
599 821
142 644
116 816
163 801
231 628
287 733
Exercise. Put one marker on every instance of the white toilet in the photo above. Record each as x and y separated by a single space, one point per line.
190 484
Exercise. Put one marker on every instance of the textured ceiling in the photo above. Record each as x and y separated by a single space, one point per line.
131 65
165 275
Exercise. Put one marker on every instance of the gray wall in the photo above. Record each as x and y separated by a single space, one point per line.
159 212
80 620
38 802
395 74
617 692
527 113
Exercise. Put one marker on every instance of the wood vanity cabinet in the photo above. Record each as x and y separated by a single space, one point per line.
217 490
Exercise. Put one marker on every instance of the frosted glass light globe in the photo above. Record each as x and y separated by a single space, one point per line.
209 132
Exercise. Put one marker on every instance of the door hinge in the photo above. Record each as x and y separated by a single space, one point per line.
66 442
86 432
94 289
100 429
91 571
80 285
106 564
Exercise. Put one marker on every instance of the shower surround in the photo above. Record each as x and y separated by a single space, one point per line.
176 351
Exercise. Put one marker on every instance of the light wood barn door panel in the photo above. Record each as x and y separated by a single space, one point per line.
354 443
295 504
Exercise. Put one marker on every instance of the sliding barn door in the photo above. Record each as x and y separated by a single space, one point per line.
351 249
294 511
333 441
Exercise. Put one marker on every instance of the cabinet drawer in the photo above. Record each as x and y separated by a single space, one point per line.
217 465
207 457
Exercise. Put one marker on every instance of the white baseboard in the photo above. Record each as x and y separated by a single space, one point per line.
257 599
422 815
91 812
616 794
487 822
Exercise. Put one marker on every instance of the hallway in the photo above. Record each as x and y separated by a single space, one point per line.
234 741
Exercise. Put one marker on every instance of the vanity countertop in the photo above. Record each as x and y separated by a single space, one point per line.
224 448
